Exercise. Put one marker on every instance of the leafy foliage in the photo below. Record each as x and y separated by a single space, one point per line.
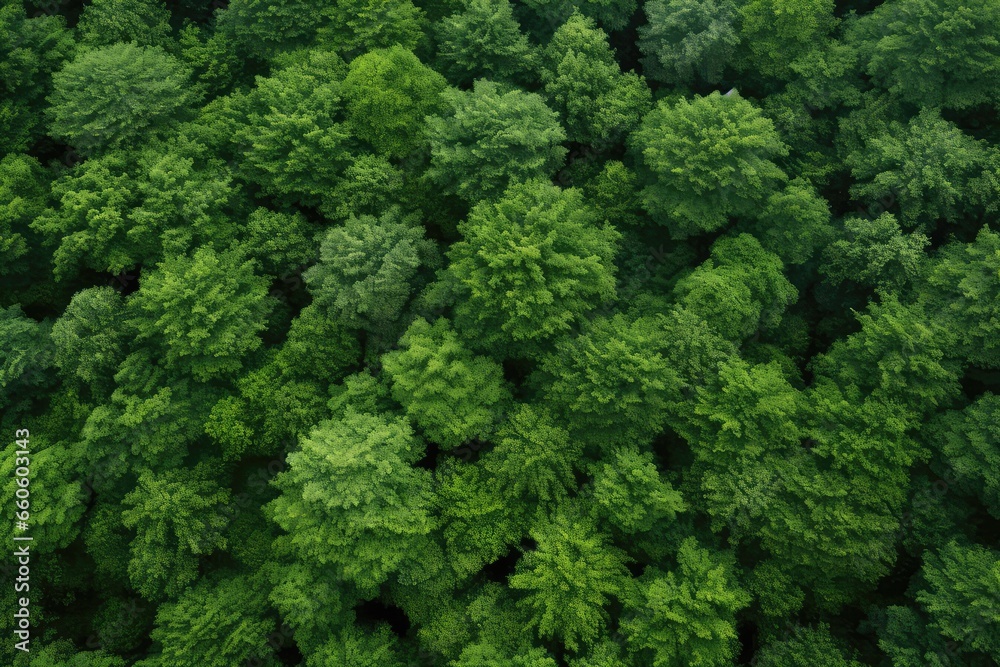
582 333
490 136
108 97
709 158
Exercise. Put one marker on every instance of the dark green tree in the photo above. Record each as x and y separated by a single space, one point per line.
30 50
26 355
961 595
355 26
108 97
370 268
969 441
961 286
89 346
23 193
178 517
776 33
812 646
929 168
875 253
688 39
106 22
936 52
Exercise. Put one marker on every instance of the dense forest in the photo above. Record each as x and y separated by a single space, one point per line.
490 333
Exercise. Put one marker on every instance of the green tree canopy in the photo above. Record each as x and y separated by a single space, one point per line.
387 93
452 394
568 579
205 311
794 223
632 493
88 345
26 355
370 268
529 266
613 382
737 299
534 458
107 97
961 595
483 40
221 621
969 440
876 253
685 39
490 137
106 22
961 285
292 135
263 28
355 26
22 198
585 84
776 33
929 166
936 52
686 615
348 489
177 517
30 50
709 158
806 646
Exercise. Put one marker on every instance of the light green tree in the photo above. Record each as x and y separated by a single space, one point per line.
222 620
686 616
740 289
585 84
453 395
205 311
387 93
490 137
529 266
352 500
613 383
569 578
630 491
709 158
483 40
